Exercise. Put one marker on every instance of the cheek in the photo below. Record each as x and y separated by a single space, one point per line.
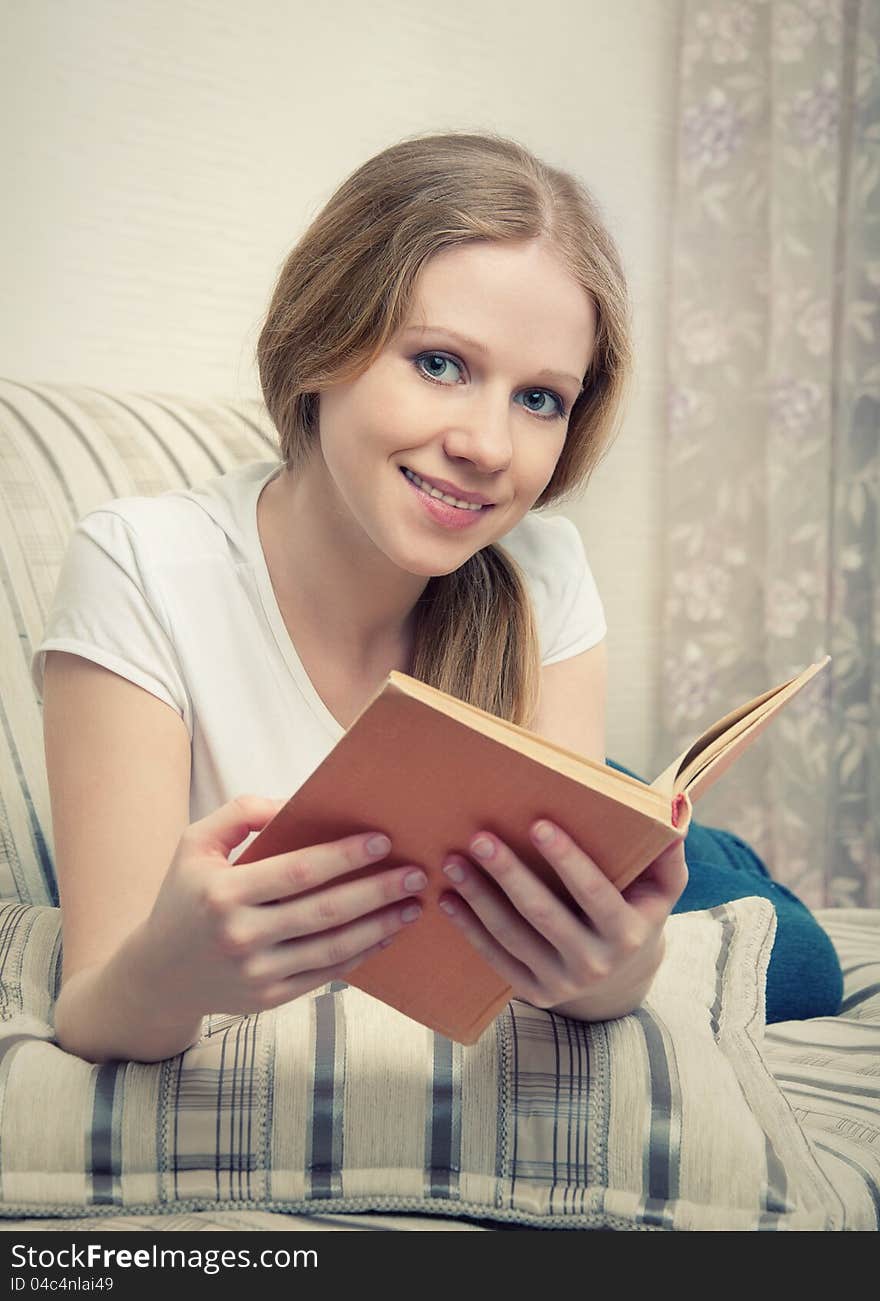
389 413
539 460
399 410
354 425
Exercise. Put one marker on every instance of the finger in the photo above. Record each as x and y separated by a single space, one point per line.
517 930
517 974
294 986
655 893
597 897
331 948
282 875
335 905
545 912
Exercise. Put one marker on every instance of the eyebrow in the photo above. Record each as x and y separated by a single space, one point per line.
557 375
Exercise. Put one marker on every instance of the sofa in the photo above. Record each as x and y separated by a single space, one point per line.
334 1112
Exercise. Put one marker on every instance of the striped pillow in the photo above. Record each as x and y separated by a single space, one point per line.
665 1119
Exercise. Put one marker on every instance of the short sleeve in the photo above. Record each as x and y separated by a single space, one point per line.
573 616
107 609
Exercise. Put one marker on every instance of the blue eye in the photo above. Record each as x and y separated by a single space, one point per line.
541 393
435 356
560 411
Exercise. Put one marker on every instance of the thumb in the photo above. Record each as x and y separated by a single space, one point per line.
220 831
658 888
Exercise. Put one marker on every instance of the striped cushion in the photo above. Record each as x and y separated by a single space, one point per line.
65 449
829 1069
667 1118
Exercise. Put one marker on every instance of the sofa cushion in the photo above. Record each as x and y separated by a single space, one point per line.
664 1119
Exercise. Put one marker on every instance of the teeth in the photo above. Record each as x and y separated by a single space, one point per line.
435 492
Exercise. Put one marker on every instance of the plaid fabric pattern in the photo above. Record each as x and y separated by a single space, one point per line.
666 1119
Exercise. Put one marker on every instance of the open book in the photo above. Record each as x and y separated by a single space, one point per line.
430 771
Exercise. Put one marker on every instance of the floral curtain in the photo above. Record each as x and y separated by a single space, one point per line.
772 548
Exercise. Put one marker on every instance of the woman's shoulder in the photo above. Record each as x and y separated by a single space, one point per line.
202 519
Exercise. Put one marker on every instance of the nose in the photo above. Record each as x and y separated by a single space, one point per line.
482 434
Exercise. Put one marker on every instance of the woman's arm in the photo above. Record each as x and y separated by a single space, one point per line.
118 767
158 926
110 1011
572 708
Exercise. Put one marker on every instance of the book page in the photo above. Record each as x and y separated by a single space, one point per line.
713 744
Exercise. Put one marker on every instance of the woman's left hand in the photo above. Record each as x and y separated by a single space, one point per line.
595 964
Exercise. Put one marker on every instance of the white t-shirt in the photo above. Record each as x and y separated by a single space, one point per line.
173 593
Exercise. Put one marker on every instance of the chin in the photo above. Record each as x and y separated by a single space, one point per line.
431 571
430 566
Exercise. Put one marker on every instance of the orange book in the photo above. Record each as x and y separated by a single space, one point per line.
430 771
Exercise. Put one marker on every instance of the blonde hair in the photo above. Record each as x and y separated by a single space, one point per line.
349 285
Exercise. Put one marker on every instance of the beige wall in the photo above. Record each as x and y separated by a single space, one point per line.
161 157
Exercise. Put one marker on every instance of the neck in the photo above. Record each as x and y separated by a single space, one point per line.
321 562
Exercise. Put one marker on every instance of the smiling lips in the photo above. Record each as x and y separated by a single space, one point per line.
448 492
444 511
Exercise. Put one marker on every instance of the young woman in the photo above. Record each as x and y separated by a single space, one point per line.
445 353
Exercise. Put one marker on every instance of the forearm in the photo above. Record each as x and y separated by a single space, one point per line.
106 1012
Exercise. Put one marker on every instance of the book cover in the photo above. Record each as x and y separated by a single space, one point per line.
431 770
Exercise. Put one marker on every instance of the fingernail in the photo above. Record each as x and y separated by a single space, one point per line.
378 845
447 907
415 880
453 871
482 847
542 831
410 913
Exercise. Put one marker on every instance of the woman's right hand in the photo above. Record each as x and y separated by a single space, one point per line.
245 938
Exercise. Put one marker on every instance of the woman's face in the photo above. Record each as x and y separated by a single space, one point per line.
486 417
